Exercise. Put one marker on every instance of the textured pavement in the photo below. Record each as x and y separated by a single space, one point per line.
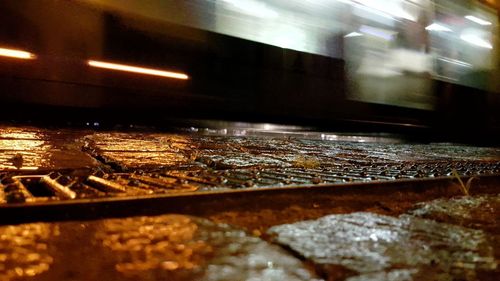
443 239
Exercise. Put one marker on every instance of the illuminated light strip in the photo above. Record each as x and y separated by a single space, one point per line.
353 34
477 20
438 27
136 69
18 54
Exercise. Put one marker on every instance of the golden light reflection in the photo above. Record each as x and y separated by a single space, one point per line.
18 54
140 150
24 250
148 243
22 154
22 149
137 69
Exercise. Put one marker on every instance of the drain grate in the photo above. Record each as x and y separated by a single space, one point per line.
57 186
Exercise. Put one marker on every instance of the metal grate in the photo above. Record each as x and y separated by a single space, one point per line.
58 186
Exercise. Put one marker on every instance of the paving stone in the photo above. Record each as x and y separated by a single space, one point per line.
374 245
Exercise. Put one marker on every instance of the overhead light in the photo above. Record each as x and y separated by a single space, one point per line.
476 41
18 54
353 34
477 20
137 69
438 27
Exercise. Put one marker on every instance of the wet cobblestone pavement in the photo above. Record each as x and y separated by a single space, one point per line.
90 164
32 149
169 247
231 152
25 148
314 232
354 246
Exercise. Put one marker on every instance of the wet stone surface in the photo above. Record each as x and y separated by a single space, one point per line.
478 212
444 239
232 152
128 164
168 247
29 148
366 246
32 149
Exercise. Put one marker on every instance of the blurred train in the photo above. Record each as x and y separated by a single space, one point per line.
419 65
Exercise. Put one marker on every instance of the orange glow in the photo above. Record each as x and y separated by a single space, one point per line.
18 54
136 69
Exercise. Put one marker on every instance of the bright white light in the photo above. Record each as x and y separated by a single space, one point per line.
477 20
476 41
353 34
268 127
438 27
136 69
18 54
254 8
329 137
377 32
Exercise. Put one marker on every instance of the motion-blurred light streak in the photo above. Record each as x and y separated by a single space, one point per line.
137 69
18 54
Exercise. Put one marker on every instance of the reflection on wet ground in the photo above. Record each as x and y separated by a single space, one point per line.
226 152
169 247
26 148
141 150
24 250
30 149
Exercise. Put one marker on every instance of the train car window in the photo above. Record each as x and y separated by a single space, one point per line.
463 46
389 59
